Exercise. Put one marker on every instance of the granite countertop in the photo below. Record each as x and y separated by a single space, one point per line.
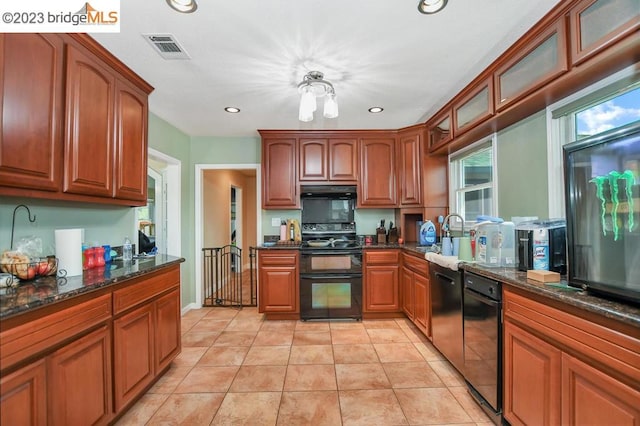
29 295
619 311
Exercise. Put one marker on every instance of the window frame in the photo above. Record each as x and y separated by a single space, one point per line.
455 175
561 128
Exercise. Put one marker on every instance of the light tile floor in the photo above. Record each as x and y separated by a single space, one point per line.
237 369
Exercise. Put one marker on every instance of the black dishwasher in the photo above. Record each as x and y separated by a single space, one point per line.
483 342
446 313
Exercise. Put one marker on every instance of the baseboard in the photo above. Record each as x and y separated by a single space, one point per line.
189 307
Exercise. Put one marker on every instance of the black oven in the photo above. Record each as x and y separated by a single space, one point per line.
330 283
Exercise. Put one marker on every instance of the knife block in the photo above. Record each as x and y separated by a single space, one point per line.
382 236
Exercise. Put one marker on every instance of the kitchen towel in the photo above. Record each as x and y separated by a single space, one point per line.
69 250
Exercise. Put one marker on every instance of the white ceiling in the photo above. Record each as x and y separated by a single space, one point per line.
252 54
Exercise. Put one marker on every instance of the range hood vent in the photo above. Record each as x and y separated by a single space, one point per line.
167 46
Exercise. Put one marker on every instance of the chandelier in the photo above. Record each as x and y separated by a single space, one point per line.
314 86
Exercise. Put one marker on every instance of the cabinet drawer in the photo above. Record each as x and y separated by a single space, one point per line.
279 259
41 334
421 266
139 292
374 257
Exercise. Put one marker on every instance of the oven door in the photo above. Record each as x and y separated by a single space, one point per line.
330 261
328 296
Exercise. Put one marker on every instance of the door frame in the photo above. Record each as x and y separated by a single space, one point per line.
172 177
199 217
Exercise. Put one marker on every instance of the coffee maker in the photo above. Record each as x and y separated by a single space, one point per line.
542 244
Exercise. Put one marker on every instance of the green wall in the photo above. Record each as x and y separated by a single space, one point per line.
522 168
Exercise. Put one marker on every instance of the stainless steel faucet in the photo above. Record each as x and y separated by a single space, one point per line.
446 223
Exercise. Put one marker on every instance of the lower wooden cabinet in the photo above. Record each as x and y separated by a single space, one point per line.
532 378
561 368
278 282
23 396
93 357
134 363
381 281
79 381
416 292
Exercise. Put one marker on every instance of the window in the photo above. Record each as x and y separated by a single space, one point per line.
472 189
606 105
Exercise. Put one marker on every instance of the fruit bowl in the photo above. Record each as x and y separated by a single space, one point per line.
28 269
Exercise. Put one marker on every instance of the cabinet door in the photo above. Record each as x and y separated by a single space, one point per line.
343 160
377 173
79 386
133 351
278 289
590 396
167 329
531 378
130 168
31 104
279 174
382 291
440 132
421 303
23 396
408 293
89 126
313 159
410 171
597 24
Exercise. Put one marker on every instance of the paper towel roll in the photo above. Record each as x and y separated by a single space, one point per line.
69 250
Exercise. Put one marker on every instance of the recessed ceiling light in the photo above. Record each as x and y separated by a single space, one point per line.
375 110
431 6
232 110
183 6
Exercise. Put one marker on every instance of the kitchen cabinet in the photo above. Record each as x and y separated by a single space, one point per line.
313 159
542 60
106 142
279 173
474 107
23 396
146 338
563 368
74 121
84 359
597 24
89 123
410 167
377 186
381 284
79 381
31 110
328 160
416 292
278 282
440 131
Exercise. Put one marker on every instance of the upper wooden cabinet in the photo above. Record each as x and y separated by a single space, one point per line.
328 160
440 130
597 24
542 60
279 173
89 123
377 173
74 121
31 110
130 167
410 168
475 107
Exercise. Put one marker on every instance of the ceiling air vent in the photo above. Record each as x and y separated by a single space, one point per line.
167 46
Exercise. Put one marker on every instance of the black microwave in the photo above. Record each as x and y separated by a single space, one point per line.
328 204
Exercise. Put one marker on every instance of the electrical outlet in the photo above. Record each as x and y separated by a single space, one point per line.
275 221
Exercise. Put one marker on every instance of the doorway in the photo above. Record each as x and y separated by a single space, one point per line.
217 187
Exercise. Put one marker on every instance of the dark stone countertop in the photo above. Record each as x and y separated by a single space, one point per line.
30 295
619 311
